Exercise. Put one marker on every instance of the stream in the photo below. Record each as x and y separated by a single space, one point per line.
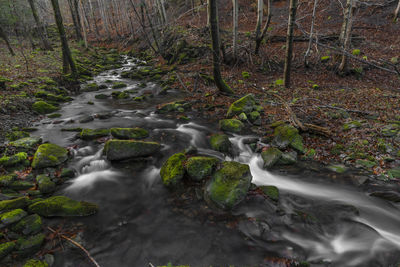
323 220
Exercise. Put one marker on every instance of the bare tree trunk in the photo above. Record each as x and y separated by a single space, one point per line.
208 14
39 25
311 34
94 19
77 27
265 29
396 12
260 11
213 11
289 42
151 26
67 56
345 35
82 12
104 18
3 35
235 16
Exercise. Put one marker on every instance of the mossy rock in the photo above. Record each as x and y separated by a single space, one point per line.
272 192
54 115
63 206
390 130
6 180
45 184
15 135
125 149
255 117
27 143
351 125
49 155
29 225
20 158
101 96
338 168
91 87
199 168
243 117
287 135
229 185
231 125
11 217
129 133
67 173
90 134
271 157
17 203
6 248
245 104
288 158
42 107
35 263
118 85
30 245
19 185
221 143
173 170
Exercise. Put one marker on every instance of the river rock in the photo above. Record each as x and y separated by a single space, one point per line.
245 105
125 149
288 158
173 170
271 157
49 155
221 143
17 203
63 206
6 248
199 168
287 135
30 245
229 185
42 107
129 133
11 217
29 225
90 134
272 192
231 125
27 143
14 160
45 184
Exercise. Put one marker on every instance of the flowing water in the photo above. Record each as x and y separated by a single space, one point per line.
323 220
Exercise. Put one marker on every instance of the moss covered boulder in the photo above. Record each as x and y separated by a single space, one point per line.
90 134
125 149
63 206
229 185
272 192
129 133
199 168
6 248
35 263
29 225
287 135
14 160
49 155
15 135
30 245
45 184
173 170
42 107
231 125
17 203
11 217
221 143
271 157
27 143
288 158
6 180
245 105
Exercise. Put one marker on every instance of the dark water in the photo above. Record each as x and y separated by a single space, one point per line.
328 222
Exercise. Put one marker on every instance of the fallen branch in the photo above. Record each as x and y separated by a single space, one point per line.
180 80
76 244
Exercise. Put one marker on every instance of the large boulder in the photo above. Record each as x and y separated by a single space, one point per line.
231 125
287 135
125 149
49 155
229 185
245 105
129 133
221 143
199 168
271 156
173 170
63 206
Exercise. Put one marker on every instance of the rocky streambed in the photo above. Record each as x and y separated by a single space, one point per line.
134 176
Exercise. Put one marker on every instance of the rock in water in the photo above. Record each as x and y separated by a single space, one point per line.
129 133
63 206
221 143
173 170
229 185
199 168
125 149
287 135
244 105
49 155
231 125
271 156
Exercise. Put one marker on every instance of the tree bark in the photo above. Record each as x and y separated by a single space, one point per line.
40 28
75 21
3 35
345 35
67 56
220 83
265 29
235 16
311 34
289 42
396 12
260 11
81 11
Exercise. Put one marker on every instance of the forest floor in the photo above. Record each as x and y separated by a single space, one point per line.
361 110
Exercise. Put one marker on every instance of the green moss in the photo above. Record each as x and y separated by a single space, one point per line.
45 184
229 185
101 96
394 173
17 203
337 149
356 52
49 155
27 143
6 180
351 125
6 248
245 75
255 117
245 104
125 149
54 115
287 135
30 245
67 173
129 133
29 225
21 185
271 157
366 163
325 59
338 168
288 158
42 107
118 85
35 263
231 125
91 87
221 143
199 168
271 192
11 217
17 159
243 117
15 135
63 206
173 170
90 134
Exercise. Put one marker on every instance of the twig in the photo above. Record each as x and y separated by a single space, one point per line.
180 80
76 244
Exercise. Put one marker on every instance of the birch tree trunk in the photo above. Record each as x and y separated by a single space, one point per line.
213 12
289 42
265 29
67 56
208 14
3 36
235 16
39 25
396 12
260 11
84 30
345 35
77 27
311 34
